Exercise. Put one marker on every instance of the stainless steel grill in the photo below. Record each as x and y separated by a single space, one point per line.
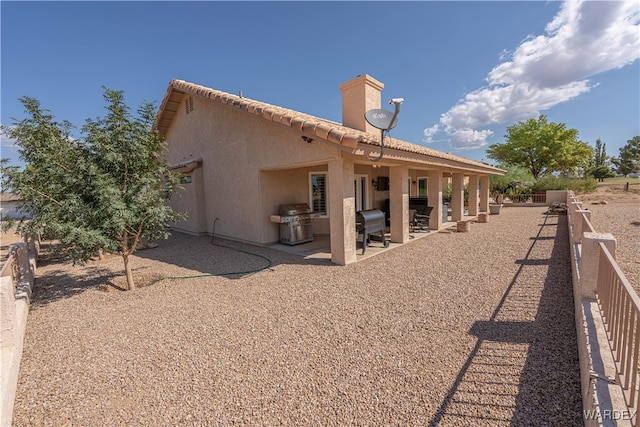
295 223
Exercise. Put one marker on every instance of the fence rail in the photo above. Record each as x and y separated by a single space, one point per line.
620 308
528 198
601 281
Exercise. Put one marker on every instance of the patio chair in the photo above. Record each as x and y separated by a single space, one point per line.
412 220
421 219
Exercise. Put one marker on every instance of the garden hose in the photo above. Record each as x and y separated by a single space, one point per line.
257 270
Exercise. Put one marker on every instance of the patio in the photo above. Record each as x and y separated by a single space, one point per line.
320 247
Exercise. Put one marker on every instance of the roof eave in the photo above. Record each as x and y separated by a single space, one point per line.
310 125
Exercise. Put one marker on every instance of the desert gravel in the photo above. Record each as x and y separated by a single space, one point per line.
455 329
621 218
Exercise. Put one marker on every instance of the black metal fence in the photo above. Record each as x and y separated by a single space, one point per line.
527 198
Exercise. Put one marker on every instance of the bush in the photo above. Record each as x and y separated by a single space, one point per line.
448 191
551 182
517 179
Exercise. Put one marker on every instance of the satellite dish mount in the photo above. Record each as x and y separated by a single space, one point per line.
385 121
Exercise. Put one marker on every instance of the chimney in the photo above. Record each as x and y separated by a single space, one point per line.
360 95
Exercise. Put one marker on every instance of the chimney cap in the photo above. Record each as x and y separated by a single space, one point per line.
360 79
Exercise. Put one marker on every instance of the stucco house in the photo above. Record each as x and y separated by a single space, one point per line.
10 204
240 159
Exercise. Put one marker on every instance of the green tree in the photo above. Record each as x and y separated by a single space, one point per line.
599 168
629 159
516 177
599 154
542 147
105 192
601 172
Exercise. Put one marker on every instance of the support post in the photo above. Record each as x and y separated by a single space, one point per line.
484 193
577 223
473 195
399 203
457 197
434 194
590 260
342 211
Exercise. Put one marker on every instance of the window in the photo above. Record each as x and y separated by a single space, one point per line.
422 187
361 190
318 193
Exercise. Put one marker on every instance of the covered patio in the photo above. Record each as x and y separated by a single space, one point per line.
320 247
390 186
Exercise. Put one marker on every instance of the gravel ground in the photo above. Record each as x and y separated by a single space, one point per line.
456 329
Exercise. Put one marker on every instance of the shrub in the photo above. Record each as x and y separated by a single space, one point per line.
550 182
517 179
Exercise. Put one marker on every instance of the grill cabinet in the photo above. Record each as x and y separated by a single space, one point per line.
295 223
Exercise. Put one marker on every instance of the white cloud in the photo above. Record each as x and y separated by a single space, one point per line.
6 142
430 132
468 139
585 38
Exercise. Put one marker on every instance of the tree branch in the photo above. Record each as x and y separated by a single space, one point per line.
45 195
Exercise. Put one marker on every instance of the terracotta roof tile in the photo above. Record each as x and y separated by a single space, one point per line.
309 127
322 130
335 135
325 129
286 120
297 122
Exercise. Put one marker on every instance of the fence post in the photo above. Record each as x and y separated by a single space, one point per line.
577 220
33 249
590 259
574 206
22 255
575 217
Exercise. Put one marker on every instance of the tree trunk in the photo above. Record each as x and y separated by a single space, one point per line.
127 268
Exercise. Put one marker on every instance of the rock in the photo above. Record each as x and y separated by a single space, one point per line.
146 244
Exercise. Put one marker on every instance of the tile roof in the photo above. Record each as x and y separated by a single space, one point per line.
305 123
10 197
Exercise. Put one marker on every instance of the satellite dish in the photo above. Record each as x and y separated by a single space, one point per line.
381 119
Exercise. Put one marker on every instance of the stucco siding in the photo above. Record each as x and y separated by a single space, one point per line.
191 199
241 175
12 210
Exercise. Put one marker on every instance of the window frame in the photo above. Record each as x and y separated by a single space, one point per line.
426 186
326 192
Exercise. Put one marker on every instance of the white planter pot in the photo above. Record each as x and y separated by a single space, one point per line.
495 209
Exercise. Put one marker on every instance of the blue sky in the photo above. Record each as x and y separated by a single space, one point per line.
466 70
